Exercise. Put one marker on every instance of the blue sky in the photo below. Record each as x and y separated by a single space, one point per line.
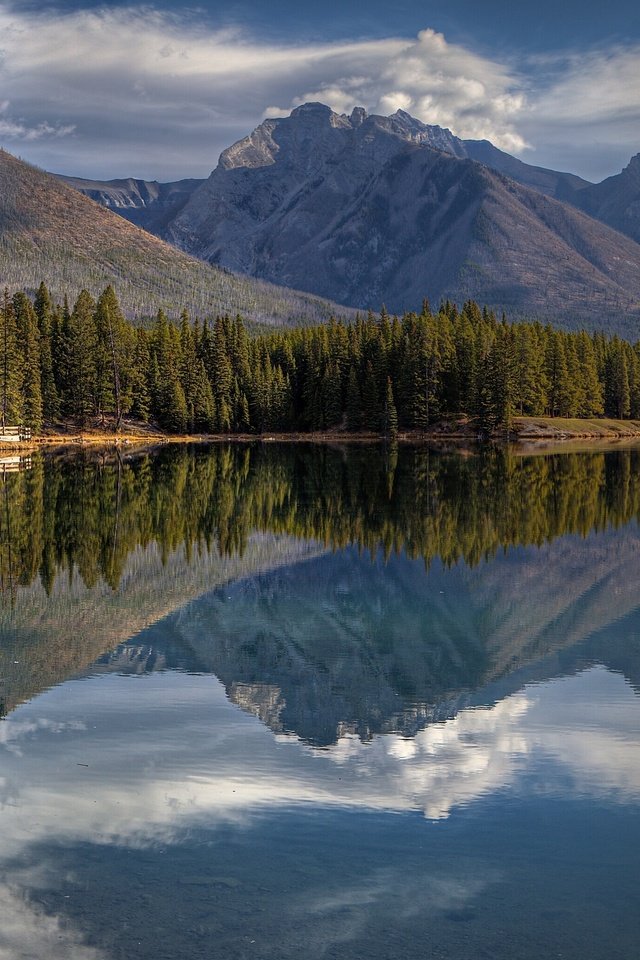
158 89
541 26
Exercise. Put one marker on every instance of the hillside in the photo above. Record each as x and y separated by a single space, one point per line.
50 232
365 209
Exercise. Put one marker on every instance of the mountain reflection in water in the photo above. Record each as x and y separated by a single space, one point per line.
94 549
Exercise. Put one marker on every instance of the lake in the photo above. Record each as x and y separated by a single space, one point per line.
285 701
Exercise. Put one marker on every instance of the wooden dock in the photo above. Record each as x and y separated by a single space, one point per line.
14 434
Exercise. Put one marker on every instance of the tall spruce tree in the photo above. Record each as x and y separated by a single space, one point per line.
11 409
48 388
29 343
80 345
114 346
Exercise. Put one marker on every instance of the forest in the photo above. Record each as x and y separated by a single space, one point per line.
87 364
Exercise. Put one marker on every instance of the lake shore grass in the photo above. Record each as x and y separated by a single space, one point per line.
532 432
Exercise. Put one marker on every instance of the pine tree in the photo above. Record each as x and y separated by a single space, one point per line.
49 391
354 402
29 343
113 357
140 374
591 394
617 388
11 367
369 393
221 376
80 351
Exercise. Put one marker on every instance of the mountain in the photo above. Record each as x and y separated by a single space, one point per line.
148 204
50 232
154 205
616 200
367 209
315 201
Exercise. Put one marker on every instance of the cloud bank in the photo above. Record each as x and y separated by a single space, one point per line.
132 91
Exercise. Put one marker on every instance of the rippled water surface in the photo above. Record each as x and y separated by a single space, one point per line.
264 702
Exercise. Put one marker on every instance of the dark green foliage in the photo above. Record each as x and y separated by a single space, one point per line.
79 360
115 345
378 374
389 423
28 337
45 314
11 400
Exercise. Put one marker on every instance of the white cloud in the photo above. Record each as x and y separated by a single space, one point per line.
435 81
27 931
185 764
18 130
151 94
13 129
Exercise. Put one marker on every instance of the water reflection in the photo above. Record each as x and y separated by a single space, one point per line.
88 513
92 549
218 825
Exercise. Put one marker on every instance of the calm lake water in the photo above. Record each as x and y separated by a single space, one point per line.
293 702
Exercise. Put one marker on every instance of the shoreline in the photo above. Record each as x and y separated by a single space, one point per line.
535 433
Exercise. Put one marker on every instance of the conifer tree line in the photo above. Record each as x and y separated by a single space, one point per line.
87 363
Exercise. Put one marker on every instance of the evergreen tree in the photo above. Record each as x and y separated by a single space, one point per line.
29 343
617 392
11 409
113 360
80 346
140 375
354 402
48 388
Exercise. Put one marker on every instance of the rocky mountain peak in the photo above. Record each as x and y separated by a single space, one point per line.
633 168
312 109
366 209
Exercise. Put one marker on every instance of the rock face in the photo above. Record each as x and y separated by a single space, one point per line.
368 210
146 203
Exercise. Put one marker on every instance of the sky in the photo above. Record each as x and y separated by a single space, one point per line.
158 89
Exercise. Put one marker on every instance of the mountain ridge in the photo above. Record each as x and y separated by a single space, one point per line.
134 197
50 232
364 210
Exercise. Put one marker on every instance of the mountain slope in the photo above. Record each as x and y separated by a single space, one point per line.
364 210
50 232
561 186
616 200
